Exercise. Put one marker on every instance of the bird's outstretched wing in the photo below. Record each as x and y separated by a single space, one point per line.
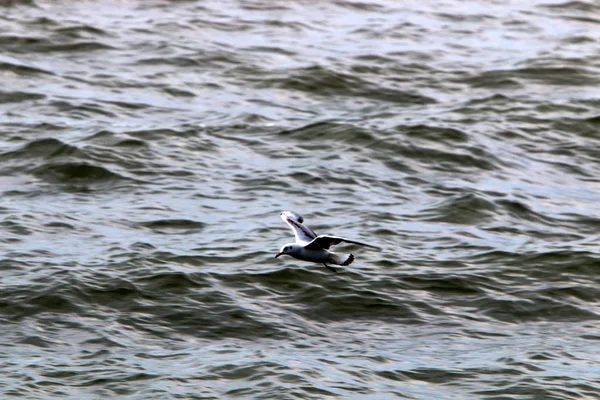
303 233
326 241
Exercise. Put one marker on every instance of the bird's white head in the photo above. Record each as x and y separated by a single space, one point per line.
289 249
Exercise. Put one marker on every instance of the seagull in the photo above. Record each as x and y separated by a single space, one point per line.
313 248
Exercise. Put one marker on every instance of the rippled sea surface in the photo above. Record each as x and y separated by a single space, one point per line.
148 147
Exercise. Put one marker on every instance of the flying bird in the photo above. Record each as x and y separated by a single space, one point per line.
313 248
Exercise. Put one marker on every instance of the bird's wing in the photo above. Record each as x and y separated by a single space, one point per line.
303 233
324 242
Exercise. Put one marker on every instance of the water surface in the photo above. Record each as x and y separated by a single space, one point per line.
147 149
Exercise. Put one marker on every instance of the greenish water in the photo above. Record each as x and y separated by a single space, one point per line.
147 148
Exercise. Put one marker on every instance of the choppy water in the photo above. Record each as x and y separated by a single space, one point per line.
147 149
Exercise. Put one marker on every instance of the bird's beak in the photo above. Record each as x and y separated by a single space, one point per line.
278 254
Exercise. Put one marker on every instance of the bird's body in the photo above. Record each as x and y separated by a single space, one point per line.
316 255
313 248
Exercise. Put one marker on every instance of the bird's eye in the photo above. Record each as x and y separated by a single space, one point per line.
286 248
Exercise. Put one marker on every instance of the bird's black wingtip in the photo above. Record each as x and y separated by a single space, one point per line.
330 268
349 260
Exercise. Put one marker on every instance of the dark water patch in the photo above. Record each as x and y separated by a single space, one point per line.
114 293
559 76
128 143
548 74
33 44
249 371
173 282
44 22
36 341
433 133
449 158
59 226
366 69
109 138
49 148
174 356
76 173
321 81
320 131
556 109
167 133
271 49
251 119
199 259
36 127
542 233
81 31
360 6
521 211
168 225
532 307
578 39
393 375
83 46
495 102
288 25
17 97
572 169
492 80
484 334
203 60
141 246
468 208
566 261
588 128
82 111
595 121
399 166
492 256
44 146
15 228
281 281
449 284
440 376
179 61
10 264
356 306
18 303
378 59
574 293
583 6
160 303
22 70
111 382
208 314
549 388
591 337
127 105
178 92
308 179
585 224
9 3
